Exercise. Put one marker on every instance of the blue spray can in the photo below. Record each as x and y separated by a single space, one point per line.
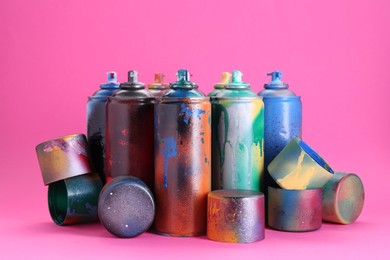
282 119
96 121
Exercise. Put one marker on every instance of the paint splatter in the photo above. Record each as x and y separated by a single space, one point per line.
297 178
66 144
125 132
188 113
123 142
168 151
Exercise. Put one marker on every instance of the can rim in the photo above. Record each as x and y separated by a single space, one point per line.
183 99
132 99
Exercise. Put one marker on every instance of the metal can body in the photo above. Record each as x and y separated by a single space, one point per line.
238 143
183 165
129 138
96 122
282 118
283 122
96 132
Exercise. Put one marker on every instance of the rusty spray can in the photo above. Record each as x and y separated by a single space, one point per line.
129 132
158 87
225 79
237 137
96 121
283 119
182 159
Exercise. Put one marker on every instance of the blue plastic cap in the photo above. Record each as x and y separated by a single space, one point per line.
276 75
111 77
112 82
183 76
276 82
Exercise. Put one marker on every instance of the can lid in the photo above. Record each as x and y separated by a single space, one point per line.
183 80
294 210
235 216
132 81
225 79
276 82
112 82
126 207
237 82
342 198
63 158
158 81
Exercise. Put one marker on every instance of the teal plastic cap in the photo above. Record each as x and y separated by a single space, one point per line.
183 80
183 76
237 80
276 80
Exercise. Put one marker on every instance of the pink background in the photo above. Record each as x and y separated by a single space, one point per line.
334 53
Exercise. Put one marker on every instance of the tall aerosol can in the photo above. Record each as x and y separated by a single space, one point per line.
130 132
96 122
237 137
158 87
225 79
282 116
182 159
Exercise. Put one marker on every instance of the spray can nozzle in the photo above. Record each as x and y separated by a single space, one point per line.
276 80
237 80
132 76
225 79
276 75
111 77
132 81
183 80
183 76
159 77
236 76
112 82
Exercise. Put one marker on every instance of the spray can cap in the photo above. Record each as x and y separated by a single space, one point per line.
276 82
225 79
158 81
132 81
111 76
237 81
183 80
111 81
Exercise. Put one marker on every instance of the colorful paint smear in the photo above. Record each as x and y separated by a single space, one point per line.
294 210
235 216
299 167
342 198
63 158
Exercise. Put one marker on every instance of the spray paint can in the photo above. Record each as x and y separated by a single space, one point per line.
182 159
282 117
129 136
237 137
225 79
158 87
96 121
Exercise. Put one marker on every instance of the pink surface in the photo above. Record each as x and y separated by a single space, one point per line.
335 54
